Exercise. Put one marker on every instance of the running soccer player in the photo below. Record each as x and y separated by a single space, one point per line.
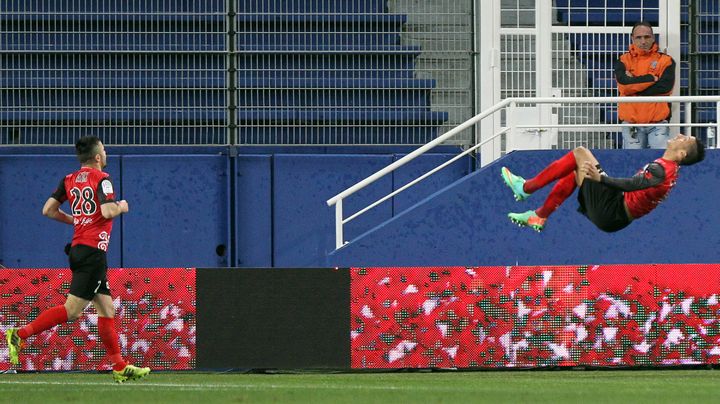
610 203
91 196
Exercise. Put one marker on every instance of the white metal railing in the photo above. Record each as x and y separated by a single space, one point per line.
510 129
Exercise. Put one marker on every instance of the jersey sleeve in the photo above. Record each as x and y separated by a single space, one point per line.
105 191
652 175
60 194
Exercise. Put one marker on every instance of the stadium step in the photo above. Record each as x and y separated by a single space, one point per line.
399 133
18 116
328 62
138 7
331 49
343 115
119 81
311 6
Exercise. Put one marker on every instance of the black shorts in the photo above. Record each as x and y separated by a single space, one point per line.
604 206
89 272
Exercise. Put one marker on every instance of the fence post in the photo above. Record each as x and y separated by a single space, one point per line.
339 242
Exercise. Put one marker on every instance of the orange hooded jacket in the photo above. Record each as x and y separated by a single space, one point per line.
645 67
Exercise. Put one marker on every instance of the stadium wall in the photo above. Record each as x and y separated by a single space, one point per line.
467 224
211 206
381 317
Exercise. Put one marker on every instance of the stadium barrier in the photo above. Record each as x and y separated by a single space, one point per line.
382 318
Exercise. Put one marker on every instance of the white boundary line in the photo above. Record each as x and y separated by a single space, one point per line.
204 386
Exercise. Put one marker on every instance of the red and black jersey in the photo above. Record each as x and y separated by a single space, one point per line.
646 189
86 190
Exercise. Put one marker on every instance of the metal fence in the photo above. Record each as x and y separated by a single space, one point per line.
132 72
701 57
249 72
310 72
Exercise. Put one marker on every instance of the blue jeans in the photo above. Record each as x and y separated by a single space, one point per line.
653 137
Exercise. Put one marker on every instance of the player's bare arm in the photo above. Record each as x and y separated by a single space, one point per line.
112 209
52 210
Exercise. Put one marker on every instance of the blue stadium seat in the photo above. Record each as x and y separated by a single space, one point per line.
319 30
329 65
139 7
113 42
353 114
154 134
88 99
607 3
126 115
348 93
346 135
303 66
311 6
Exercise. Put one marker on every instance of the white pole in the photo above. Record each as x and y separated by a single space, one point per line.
671 27
717 124
339 225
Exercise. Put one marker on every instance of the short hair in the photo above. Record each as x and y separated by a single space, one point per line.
695 154
86 148
641 24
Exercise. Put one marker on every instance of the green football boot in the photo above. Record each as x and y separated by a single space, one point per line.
15 345
129 372
530 219
515 182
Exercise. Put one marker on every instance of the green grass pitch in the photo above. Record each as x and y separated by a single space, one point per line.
616 386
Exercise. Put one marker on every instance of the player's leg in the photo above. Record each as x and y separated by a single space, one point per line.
560 192
70 310
122 371
106 329
583 155
565 186
557 169
631 138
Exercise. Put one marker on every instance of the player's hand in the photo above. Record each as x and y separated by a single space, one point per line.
589 171
123 206
627 73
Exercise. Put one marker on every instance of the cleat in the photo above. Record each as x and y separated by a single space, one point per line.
15 345
530 219
129 372
515 182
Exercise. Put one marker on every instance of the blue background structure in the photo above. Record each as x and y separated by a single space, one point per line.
466 223
268 210
213 208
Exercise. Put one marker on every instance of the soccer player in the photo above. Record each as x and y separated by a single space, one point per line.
91 196
610 203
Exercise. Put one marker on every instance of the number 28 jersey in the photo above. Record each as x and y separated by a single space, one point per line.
85 190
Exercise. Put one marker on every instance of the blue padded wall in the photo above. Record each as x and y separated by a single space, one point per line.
429 185
253 210
179 210
467 224
303 224
28 239
179 205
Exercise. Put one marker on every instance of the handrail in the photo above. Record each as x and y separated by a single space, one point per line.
337 199
427 174
422 149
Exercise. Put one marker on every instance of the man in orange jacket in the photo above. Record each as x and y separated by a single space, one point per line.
643 71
